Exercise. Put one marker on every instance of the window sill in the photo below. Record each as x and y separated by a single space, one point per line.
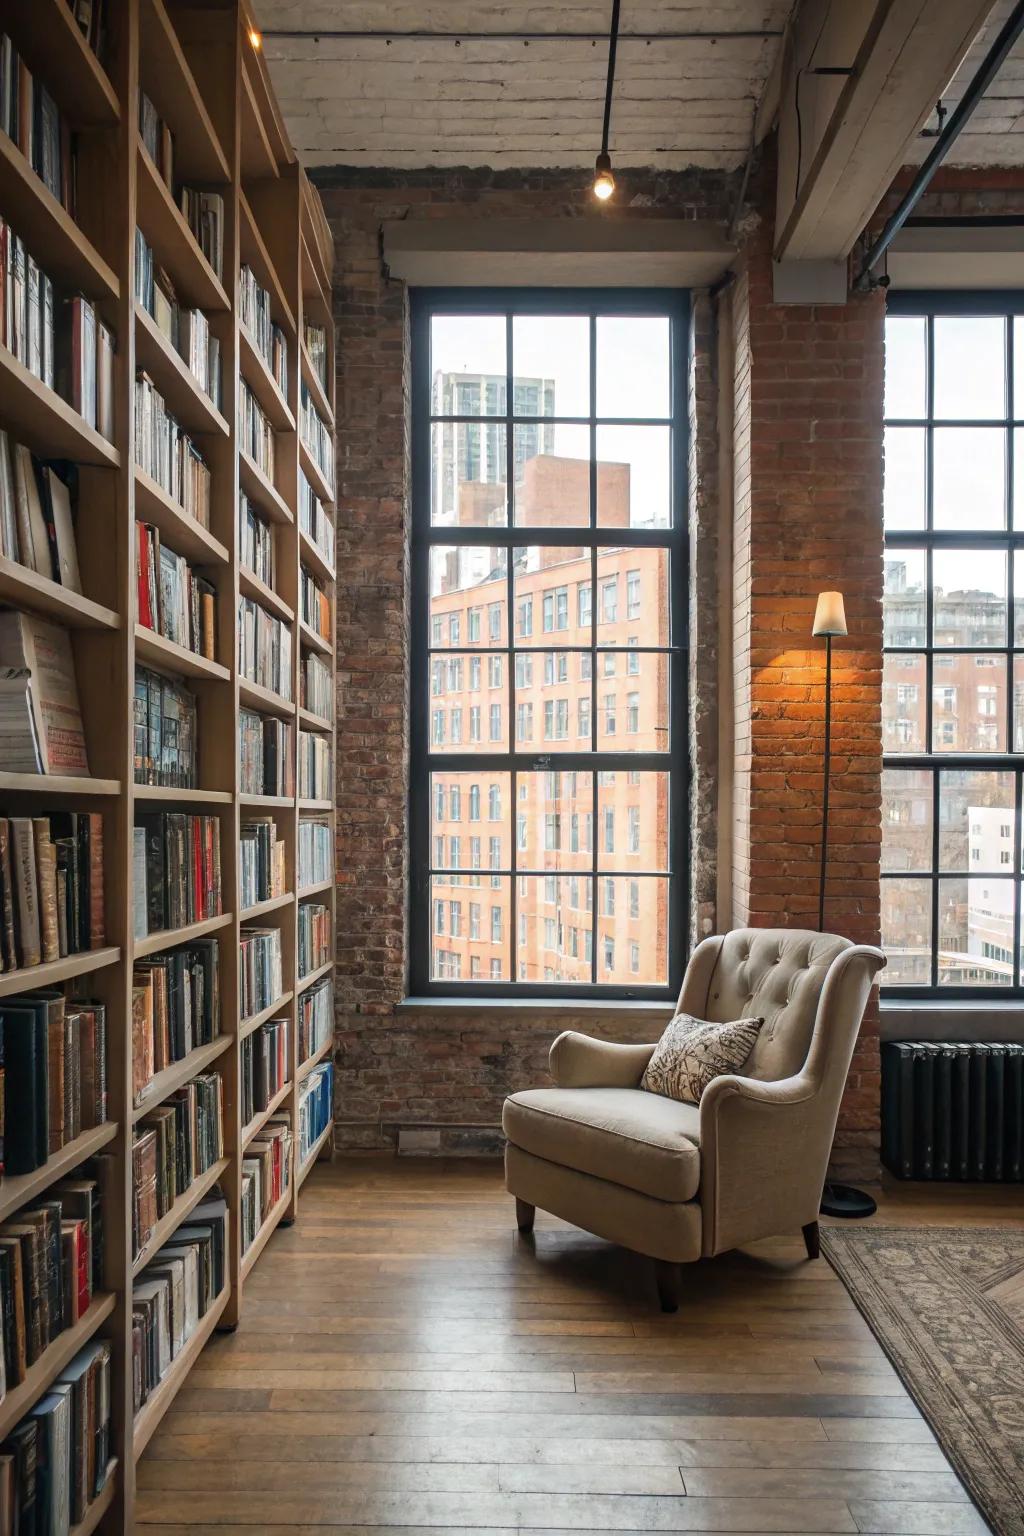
568 1007
951 1019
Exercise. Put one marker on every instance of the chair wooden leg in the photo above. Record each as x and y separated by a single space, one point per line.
668 1277
812 1240
525 1212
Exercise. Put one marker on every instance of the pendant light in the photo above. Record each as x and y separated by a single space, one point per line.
604 181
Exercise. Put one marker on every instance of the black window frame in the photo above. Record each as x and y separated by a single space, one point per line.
931 305
675 305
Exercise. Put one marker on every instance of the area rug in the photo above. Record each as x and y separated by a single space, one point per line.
947 1306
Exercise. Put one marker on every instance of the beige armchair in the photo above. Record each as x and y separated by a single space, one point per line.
679 1182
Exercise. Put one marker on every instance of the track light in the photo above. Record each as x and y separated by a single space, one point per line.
255 39
604 181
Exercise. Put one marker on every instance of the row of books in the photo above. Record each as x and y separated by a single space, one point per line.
264 648
91 20
187 330
315 338
175 1009
255 541
315 1109
314 766
157 139
316 1018
174 1293
177 871
266 1175
166 749
255 433
172 599
316 686
264 1064
316 435
41 727
261 862
313 520
259 970
314 936
165 452
203 212
54 1075
314 604
173 1146
56 1461
254 313
37 526
51 887
315 854
266 754
32 120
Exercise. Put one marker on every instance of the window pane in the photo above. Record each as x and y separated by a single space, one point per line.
904 605
1018 368
634 477
1018 458
553 697
632 701
552 475
976 817
469 929
554 820
551 596
904 704
906 820
969 704
903 500
470 822
632 820
1018 703
969 597
554 928
907 932
468 596
468 474
969 475
551 359
970 368
468 365
976 933
905 370
633 597
633 366
468 704
632 930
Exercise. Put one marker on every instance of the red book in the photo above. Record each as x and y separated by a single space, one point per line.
97 929
197 868
142 556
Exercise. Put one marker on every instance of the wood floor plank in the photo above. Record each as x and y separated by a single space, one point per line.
883 1517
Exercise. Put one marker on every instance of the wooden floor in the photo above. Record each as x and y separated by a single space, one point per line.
407 1361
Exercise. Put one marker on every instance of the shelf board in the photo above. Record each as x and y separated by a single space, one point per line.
182 391
256 373
17 1189
155 651
316 286
315 722
273 904
162 793
254 696
183 533
56 971
57 785
38 417
25 588
316 642
256 1124
269 802
164 1393
49 231
100 1504
316 386
307 981
183 1207
306 1067
319 889
48 36
265 1232
312 555
167 79
170 938
254 1021
260 490
258 160
19 1399
178 1074
256 255
166 229
316 805
315 475
314 1152
252 586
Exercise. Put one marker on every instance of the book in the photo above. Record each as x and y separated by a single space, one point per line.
264 1066
261 854
264 648
266 751
316 1018
42 652
314 937
259 970
171 598
182 883
315 853
165 721
175 1008
55 1080
315 1109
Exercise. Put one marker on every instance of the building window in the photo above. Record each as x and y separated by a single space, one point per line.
953 666
455 803
549 513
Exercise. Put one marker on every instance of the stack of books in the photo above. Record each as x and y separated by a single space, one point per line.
254 313
315 338
157 139
314 936
259 970
314 766
264 1056
255 541
315 854
51 1257
187 330
37 527
204 215
266 1175
175 1008
174 1144
255 434
179 880
316 1018
175 1291
41 727
315 604
54 1073
315 1109
264 648
166 736
316 686
266 752
51 887
165 452
58 1458
313 520
172 600
316 435
261 861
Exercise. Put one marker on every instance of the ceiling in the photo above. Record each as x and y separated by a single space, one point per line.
406 103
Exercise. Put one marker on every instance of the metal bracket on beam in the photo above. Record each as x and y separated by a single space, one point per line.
810 282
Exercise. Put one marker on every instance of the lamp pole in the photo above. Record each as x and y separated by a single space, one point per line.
828 774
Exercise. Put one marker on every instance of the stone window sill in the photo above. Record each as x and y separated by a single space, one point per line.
578 1008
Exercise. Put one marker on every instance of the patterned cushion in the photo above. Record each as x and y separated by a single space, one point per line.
692 1052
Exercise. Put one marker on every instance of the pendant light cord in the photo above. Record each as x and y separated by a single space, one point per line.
613 40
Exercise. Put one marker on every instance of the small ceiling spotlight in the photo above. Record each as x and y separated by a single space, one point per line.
255 39
604 181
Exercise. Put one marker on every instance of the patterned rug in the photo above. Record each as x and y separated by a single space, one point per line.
947 1305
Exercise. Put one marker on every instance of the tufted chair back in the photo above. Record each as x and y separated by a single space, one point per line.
772 973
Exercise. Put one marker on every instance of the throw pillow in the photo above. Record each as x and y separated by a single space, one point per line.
692 1052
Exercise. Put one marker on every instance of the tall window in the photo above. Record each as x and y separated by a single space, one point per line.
549 460
953 677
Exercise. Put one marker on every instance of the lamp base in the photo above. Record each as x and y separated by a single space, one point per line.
843 1200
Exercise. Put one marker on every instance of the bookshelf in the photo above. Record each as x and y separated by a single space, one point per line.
198 69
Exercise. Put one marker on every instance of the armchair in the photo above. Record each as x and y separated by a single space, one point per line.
679 1181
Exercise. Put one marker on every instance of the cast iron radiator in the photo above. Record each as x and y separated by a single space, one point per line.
953 1111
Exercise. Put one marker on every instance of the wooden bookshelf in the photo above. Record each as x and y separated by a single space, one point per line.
198 68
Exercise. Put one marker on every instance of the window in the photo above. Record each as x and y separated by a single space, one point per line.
549 534
634 957
633 844
953 672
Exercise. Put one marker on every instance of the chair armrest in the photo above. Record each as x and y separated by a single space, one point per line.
579 1061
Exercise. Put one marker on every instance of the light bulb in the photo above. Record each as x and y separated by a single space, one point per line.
604 181
256 39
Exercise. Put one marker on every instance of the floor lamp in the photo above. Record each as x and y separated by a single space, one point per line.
830 620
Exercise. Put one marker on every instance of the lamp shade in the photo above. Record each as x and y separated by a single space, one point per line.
830 615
